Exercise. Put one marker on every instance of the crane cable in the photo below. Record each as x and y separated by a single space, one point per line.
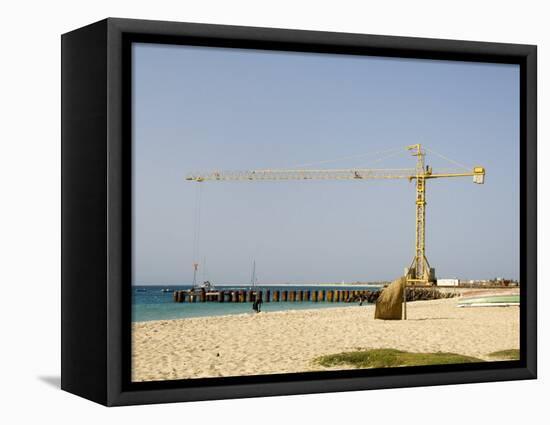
393 150
197 224
399 152
448 159
391 153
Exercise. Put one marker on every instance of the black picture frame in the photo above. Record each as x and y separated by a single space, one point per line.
96 211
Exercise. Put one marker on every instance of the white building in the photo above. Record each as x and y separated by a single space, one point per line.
447 282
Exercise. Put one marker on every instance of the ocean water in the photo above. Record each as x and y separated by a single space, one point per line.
151 303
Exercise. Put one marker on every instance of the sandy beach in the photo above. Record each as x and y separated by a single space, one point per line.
288 341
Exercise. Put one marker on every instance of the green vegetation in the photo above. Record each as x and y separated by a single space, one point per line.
512 354
392 358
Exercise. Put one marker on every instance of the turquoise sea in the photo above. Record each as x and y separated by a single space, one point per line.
151 303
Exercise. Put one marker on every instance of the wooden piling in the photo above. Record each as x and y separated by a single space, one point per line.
291 296
314 296
321 295
259 296
307 295
330 296
299 295
284 296
276 296
267 295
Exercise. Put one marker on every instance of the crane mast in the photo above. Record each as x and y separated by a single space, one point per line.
419 272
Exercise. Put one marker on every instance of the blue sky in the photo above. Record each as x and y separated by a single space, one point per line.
203 109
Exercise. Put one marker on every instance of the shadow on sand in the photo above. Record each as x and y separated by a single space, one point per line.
432 318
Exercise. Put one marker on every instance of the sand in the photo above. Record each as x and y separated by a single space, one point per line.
289 341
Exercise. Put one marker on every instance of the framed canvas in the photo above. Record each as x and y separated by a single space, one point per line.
254 211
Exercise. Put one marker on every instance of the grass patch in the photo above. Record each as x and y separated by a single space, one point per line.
388 357
512 354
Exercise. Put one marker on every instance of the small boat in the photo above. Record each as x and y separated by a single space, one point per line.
205 285
166 290
490 301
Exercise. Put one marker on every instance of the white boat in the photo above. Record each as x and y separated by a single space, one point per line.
205 285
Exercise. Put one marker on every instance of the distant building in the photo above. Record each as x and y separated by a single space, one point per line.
447 282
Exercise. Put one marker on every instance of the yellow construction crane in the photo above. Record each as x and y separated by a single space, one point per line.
419 271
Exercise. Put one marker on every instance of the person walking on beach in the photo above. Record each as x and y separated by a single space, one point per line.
259 304
255 306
